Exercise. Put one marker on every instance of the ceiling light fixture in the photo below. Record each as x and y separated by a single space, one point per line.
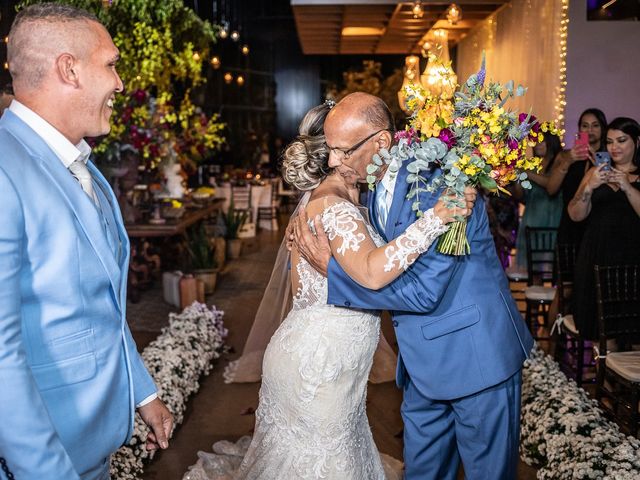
417 9
454 14
362 31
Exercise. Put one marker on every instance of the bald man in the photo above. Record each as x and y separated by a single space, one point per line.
461 338
70 372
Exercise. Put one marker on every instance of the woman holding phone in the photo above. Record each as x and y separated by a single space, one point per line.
608 201
570 167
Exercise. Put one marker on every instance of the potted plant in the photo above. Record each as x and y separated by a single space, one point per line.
201 253
233 221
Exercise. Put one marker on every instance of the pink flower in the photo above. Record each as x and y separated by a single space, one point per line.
410 135
458 121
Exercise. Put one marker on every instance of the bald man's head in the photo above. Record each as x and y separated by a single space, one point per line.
367 109
42 32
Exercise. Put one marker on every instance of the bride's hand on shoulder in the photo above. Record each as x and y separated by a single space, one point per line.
314 248
451 208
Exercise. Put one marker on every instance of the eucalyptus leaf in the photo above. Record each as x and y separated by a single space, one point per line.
526 184
376 159
371 168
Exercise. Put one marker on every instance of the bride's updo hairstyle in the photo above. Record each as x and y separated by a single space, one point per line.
305 160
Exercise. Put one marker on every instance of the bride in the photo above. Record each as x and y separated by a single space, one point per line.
311 419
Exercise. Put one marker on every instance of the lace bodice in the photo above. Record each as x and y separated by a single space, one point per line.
361 251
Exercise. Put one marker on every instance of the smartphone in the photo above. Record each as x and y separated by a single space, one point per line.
582 138
603 158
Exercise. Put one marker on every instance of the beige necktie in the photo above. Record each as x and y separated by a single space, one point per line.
79 170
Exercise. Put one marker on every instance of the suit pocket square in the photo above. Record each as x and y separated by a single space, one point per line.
451 322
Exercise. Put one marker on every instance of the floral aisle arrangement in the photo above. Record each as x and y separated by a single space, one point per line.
471 136
563 432
176 360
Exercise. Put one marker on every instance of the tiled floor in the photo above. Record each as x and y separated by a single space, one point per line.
221 411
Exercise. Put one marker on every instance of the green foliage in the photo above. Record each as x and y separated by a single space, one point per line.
234 220
163 45
200 250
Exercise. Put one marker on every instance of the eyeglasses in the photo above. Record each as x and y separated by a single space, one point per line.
345 154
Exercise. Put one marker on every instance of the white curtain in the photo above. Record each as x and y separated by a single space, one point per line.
522 43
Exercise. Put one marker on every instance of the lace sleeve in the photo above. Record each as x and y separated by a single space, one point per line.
417 239
356 252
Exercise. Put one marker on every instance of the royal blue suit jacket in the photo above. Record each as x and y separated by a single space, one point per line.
458 328
70 373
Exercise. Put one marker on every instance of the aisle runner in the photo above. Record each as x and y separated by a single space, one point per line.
564 433
176 359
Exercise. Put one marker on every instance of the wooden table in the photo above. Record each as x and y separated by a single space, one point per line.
174 226
170 250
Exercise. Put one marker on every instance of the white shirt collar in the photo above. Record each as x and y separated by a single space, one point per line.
66 151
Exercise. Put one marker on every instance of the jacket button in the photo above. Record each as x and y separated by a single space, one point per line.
394 323
347 304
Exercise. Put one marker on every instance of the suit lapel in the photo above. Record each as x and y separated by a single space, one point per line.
373 213
77 200
399 194
121 234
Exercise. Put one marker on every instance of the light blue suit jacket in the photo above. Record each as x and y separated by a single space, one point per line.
458 328
69 369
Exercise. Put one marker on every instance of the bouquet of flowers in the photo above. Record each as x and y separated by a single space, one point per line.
472 138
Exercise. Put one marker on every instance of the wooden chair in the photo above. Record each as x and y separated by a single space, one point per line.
270 212
540 290
570 345
618 376
241 196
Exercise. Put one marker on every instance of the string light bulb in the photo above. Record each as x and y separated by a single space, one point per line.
417 10
215 62
240 80
196 56
228 78
224 32
561 100
245 49
235 36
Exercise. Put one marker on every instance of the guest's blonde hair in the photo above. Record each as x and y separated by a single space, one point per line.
305 160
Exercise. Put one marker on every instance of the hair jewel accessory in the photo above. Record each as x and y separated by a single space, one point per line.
330 103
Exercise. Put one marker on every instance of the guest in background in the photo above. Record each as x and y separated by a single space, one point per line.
6 96
608 200
569 169
542 209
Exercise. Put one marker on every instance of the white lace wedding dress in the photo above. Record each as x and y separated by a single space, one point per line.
311 420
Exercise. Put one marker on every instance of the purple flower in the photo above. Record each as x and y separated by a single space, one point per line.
410 135
481 75
447 137
512 143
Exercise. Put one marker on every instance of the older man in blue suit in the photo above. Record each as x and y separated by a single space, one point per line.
70 373
462 340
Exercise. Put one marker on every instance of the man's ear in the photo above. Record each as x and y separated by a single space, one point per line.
67 68
384 140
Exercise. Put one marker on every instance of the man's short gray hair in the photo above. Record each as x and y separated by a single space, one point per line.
378 115
38 35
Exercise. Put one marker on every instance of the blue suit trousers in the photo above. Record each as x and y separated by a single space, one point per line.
482 430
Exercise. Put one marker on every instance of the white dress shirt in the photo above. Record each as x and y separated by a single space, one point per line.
388 181
66 151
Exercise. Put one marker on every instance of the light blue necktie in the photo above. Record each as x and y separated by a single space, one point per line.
381 205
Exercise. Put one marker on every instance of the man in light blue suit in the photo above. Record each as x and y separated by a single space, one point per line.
70 373
461 338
